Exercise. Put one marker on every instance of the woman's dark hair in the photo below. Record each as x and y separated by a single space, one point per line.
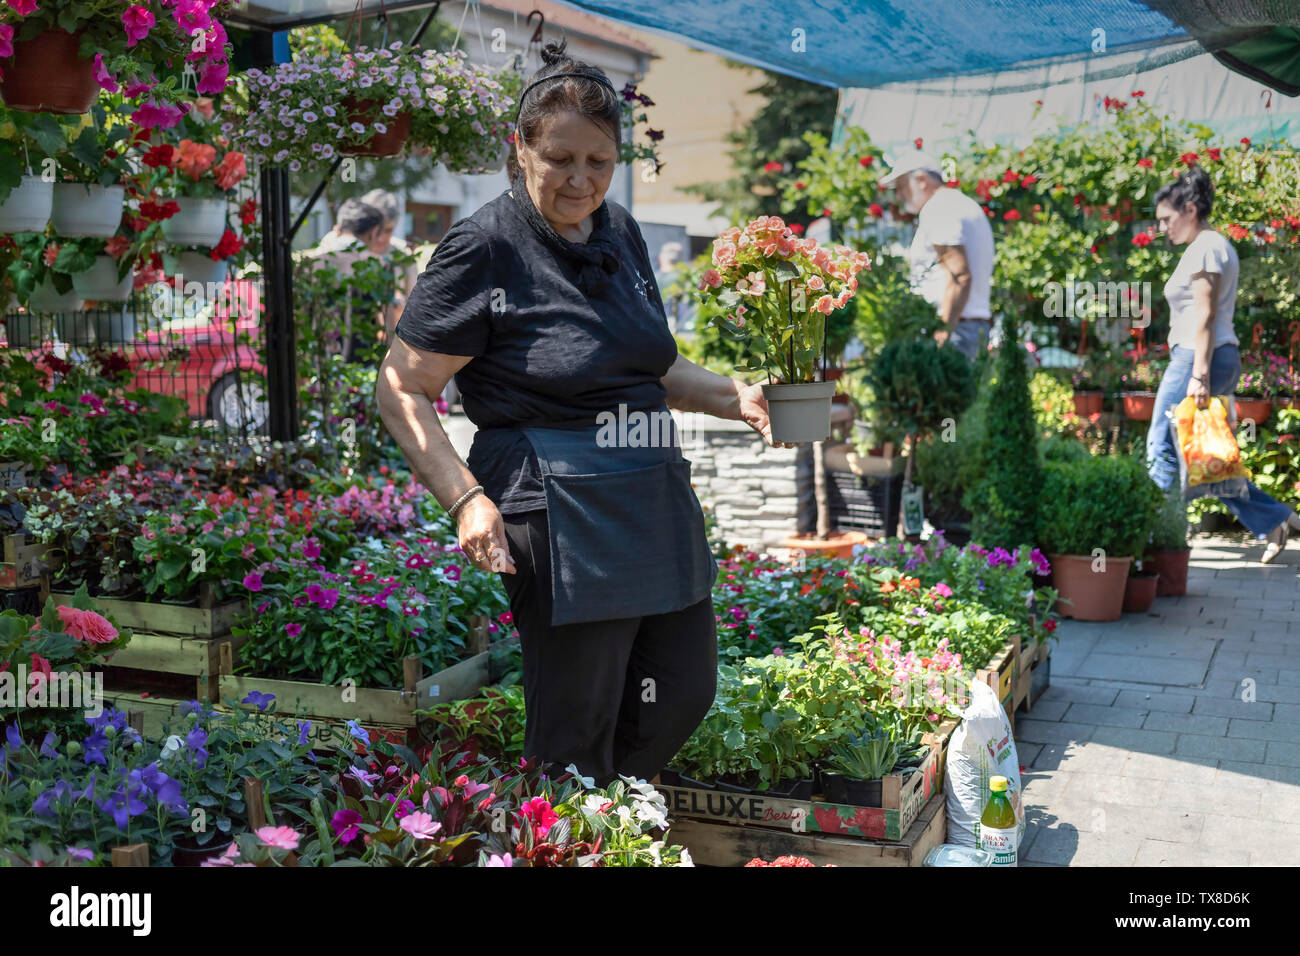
589 98
1193 187
359 218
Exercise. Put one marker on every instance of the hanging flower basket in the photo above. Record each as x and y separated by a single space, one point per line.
28 207
387 141
200 222
1139 406
1255 409
100 283
81 210
47 75
194 266
45 299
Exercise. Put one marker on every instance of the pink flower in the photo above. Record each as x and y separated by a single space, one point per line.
504 859
310 549
293 628
943 590
711 279
214 77
253 581
138 21
285 838
538 812
154 114
23 8
420 825
86 625
6 40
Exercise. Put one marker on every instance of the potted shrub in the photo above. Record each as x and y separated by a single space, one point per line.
852 773
779 290
1140 589
917 387
1138 389
1094 517
58 54
1169 548
1253 390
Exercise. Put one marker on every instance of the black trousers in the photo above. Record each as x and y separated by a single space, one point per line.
617 696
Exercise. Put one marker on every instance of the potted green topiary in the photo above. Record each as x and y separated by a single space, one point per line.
1094 518
1169 549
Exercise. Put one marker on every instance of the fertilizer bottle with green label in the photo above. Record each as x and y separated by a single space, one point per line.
998 825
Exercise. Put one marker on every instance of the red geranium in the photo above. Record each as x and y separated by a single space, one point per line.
1146 163
248 212
1010 176
1012 215
771 167
158 211
1142 239
866 160
1188 159
161 155
1213 151
229 245
875 210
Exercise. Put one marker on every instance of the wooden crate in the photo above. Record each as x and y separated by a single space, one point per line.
13 474
720 844
1000 674
903 796
205 620
395 707
23 563
1040 677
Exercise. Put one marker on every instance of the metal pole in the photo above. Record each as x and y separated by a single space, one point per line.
279 335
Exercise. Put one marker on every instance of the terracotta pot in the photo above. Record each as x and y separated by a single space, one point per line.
838 545
1256 409
367 112
839 398
1171 568
47 75
1292 403
1087 403
1139 406
1093 595
1140 592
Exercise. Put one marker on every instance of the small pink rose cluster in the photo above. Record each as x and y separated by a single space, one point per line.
86 625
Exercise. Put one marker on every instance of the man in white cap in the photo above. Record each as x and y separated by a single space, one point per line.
951 256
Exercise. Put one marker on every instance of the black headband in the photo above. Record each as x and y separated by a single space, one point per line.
604 81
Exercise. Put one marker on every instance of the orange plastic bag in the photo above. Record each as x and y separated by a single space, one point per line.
1206 443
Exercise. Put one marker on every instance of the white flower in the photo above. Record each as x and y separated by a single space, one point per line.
686 857
587 782
624 814
172 746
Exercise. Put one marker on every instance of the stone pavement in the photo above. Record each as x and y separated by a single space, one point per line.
1173 738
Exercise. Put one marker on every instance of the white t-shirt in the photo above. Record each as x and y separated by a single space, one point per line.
1208 252
951 218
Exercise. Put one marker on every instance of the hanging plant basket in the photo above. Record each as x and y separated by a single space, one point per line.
46 299
1139 406
367 112
196 267
100 283
1256 409
81 210
47 75
28 207
200 222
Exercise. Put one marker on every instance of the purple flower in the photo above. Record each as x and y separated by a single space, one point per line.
122 804
359 732
258 699
293 628
253 582
452 571
362 776
1041 564
102 76
95 745
304 727
194 742
138 21
345 824
47 745
1000 556
77 853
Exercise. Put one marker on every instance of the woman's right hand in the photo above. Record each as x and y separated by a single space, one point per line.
483 535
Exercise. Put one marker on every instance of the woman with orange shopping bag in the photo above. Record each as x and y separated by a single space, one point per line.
1203 356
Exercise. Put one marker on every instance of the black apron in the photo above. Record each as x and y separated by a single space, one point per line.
627 536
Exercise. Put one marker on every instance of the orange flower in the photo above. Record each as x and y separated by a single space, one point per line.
51 253
805 589
116 246
888 587
195 158
230 170
911 584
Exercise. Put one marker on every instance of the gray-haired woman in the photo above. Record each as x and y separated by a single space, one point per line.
544 306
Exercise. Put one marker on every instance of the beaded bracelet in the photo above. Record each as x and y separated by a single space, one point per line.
451 512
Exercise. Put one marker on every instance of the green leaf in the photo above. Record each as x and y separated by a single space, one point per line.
785 270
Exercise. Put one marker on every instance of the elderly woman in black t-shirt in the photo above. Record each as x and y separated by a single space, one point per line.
544 306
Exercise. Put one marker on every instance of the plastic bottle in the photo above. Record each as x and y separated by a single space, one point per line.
997 832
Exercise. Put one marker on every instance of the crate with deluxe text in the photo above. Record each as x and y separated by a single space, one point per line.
902 798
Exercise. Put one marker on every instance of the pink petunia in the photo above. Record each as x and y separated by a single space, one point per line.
285 838
6 40
253 582
293 629
213 79
138 21
154 114
23 8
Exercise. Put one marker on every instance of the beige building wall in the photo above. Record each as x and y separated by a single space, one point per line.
698 99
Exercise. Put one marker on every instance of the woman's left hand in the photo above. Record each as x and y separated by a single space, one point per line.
753 411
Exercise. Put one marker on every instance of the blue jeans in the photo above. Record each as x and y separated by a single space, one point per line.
1259 513
970 337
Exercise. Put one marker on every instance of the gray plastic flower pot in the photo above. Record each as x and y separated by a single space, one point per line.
801 412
